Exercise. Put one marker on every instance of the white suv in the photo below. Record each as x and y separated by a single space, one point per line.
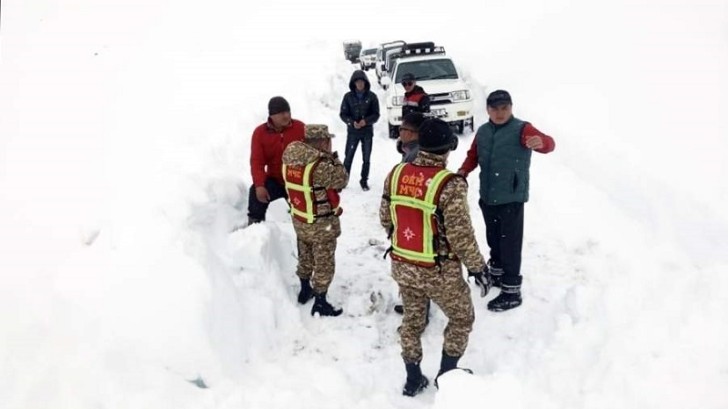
367 58
450 97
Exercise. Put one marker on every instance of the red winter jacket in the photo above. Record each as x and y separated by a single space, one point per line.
266 150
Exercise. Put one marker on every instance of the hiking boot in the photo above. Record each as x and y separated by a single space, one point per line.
364 185
509 298
306 292
416 382
323 308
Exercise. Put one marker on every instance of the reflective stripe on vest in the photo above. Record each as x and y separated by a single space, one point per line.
413 202
300 191
302 196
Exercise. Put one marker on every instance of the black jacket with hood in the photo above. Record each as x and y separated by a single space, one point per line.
354 108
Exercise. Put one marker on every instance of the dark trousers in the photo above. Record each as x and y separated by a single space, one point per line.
256 208
504 232
352 142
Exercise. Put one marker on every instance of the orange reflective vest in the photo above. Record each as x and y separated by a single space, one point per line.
414 197
302 194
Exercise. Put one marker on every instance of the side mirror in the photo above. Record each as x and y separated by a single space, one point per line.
386 81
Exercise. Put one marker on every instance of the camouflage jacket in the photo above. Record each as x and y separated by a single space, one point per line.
329 173
457 228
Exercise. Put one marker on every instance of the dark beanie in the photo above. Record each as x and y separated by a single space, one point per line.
437 137
276 105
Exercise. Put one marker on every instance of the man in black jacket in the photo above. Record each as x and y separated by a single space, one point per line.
359 110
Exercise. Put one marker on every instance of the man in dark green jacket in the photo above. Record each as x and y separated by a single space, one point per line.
502 148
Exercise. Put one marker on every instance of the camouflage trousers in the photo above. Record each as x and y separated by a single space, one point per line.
453 297
316 252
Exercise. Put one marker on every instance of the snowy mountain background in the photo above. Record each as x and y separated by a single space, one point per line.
124 147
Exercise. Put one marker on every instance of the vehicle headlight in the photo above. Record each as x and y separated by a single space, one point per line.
397 100
462 95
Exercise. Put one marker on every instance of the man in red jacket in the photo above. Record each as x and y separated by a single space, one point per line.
266 153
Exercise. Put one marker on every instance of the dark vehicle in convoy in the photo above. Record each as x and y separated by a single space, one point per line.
352 50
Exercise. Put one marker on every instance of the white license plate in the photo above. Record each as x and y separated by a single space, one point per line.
438 113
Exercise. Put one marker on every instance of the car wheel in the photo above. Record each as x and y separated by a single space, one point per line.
460 127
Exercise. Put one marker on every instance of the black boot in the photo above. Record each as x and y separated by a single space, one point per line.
364 185
496 274
509 298
323 308
416 382
448 363
306 292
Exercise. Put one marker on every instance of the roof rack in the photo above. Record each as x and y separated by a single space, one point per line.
418 49
415 49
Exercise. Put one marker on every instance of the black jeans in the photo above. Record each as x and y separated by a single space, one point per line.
504 232
352 142
256 208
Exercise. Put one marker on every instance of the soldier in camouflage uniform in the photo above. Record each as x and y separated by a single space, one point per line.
313 176
431 271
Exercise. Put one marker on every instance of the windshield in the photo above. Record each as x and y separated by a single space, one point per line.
369 51
427 70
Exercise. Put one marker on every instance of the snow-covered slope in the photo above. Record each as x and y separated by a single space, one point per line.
124 148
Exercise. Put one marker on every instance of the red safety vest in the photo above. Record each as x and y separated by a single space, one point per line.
414 198
302 193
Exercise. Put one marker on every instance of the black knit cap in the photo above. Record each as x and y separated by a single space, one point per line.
437 137
408 77
276 105
498 98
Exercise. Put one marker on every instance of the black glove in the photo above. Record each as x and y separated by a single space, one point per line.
482 280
